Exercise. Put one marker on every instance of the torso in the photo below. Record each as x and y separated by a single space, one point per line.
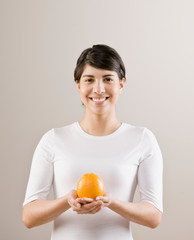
115 158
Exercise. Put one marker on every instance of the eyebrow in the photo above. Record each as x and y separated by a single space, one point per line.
107 75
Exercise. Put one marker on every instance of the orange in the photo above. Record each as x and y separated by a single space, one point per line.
90 185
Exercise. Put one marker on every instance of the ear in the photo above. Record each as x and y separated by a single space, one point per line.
122 82
78 84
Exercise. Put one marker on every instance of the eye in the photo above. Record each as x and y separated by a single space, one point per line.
108 80
89 80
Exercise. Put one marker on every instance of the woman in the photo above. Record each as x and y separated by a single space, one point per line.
123 155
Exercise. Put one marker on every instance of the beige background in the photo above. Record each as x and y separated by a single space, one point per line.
40 43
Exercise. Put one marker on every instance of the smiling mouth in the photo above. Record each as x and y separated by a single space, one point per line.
99 100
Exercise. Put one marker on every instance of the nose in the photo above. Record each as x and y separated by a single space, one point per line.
98 87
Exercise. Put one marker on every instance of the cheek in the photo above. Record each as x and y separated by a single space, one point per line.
115 91
83 92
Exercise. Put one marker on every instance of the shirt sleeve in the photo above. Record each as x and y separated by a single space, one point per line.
150 172
41 173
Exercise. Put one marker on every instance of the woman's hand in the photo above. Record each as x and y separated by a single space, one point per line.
84 205
106 199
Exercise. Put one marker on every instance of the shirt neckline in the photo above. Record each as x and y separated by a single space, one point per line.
98 137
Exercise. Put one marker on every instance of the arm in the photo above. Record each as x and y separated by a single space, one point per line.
39 212
142 213
148 211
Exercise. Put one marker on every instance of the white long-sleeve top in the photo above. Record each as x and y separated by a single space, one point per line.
124 159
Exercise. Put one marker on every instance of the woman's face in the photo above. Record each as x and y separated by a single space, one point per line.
99 89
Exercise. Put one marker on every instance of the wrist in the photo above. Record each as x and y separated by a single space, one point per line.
64 202
112 203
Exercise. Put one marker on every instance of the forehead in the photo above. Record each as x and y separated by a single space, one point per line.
89 70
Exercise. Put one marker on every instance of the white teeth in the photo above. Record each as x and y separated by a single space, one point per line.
98 99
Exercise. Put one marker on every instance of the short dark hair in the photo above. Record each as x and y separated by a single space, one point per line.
100 56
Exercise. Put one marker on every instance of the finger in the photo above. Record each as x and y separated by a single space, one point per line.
96 209
84 207
85 200
72 197
75 205
104 199
73 194
89 211
90 207
72 201
93 207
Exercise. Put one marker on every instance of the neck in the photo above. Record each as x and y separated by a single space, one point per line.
99 125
